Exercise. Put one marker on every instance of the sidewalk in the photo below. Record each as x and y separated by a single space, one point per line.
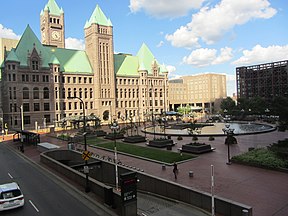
147 204
265 190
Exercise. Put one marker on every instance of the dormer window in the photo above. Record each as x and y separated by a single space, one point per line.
35 65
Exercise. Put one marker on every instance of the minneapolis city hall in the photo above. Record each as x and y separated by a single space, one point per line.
50 82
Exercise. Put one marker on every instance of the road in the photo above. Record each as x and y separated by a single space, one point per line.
43 196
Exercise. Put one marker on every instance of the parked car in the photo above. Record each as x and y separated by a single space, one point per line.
10 196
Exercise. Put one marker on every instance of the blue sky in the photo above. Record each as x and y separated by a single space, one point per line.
188 36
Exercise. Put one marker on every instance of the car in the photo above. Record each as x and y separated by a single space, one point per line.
10 196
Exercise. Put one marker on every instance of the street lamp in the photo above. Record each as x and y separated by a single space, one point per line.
22 126
115 127
87 188
229 140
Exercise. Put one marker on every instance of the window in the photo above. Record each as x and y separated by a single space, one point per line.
26 107
26 119
14 77
23 78
35 65
14 92
63 93
25 93
46 93
36 93
46 106
91 93
47 118
10 93
90 80
36 107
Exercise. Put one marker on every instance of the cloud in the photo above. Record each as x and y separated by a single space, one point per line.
204 57
211 24
165 8
8 33
74 43
260 54
160 44
170 69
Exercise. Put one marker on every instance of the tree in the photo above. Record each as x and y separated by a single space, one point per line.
228 104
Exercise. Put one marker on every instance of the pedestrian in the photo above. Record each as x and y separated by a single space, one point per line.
175 170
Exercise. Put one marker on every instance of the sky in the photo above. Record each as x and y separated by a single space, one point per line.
188 36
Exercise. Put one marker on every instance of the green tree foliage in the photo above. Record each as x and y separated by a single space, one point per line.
228 104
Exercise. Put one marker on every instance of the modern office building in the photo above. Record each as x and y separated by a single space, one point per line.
203 91
264 80
43 76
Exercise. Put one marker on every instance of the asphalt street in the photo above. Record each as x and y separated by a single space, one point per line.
44 194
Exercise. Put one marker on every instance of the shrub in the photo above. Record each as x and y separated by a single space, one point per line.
261 157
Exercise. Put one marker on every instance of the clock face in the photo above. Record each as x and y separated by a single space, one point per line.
56 35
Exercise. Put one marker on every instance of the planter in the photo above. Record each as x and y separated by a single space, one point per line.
197 148
161 143
134 139
113 136
100 133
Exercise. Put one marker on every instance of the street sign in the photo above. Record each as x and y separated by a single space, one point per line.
128 182
86 155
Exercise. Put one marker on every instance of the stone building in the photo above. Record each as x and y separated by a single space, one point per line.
53 83
203 91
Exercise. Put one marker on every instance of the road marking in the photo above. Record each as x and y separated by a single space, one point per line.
10 175
33 205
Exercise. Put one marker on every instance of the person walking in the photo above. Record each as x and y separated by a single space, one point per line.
175 170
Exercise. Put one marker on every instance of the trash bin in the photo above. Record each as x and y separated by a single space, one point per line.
71 146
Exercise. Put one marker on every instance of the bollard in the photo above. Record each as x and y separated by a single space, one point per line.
163 167
191 173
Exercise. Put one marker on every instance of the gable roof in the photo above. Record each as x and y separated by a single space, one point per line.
98 17
72 61
126 65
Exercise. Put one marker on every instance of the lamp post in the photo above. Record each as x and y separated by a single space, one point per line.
229 132
22 126
115 127
87 188
2 124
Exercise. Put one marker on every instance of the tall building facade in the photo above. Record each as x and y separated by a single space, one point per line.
204 91
43 76
264 80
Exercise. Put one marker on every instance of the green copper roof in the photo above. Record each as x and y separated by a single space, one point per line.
54 60
146 58
12 56
53 8
98 17
27 43
125 65
71 61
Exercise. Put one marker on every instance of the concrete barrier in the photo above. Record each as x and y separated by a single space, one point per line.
105 173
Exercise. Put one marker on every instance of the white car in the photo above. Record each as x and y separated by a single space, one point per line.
10 196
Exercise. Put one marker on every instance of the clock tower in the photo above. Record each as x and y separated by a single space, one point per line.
52 25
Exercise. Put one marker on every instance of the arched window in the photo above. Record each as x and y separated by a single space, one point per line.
85 93
91 93
56 92
25 93
36 93
63 93
69 92
75 92
46 93
80 92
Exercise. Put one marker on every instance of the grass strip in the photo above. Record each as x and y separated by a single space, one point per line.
146 152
